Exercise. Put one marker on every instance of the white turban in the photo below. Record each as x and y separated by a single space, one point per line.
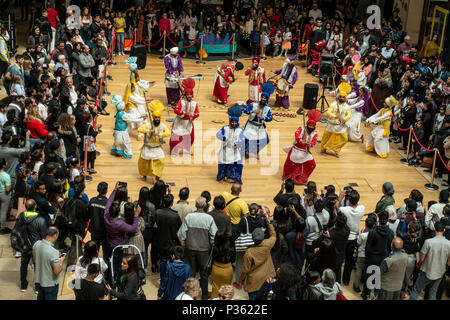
120 106
174 50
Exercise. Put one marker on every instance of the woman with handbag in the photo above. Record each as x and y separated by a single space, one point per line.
242 238
88 132
128 280
329 287
223 255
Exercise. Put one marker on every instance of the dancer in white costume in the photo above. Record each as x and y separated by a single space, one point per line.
378 139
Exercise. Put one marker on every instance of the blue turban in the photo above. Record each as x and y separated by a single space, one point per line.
235 119
265 94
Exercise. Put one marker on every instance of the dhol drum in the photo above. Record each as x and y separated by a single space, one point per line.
282 86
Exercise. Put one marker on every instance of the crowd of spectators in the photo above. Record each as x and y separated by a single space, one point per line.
307 249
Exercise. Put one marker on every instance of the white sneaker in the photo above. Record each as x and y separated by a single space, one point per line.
18 254
23 290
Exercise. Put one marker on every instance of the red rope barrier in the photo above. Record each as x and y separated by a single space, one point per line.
176 44
153 45
231 38
415 137
337 71
274 40
442 160
417 140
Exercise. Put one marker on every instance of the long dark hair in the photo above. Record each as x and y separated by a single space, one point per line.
144 197
157 193
90 252
133 266
121 194
287 279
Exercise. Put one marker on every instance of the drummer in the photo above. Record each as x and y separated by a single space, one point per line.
288 78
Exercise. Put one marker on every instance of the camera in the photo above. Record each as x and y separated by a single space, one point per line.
122 184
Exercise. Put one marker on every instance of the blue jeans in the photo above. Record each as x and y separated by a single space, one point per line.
47 293
257 294
421 282
120 41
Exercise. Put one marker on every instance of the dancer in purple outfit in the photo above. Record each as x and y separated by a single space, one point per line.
174 67
289 73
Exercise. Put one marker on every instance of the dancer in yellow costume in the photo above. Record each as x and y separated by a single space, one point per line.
134 97
378 139
335 136
151 160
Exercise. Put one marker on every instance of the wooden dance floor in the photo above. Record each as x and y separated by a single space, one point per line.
262 179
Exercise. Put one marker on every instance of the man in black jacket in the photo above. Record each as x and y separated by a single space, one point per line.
407 118
99 52
96 212
168 222
222 220
443 133
34 227
45 209
378 246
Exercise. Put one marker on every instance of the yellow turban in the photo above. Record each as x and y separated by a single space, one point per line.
344 94
345 87
391 101
156 105
156 113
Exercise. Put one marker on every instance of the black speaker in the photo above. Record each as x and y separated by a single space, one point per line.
139 51
311 91
326 65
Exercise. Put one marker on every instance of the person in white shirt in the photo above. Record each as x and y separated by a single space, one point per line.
3 118
435 212
90 256
393 219
191 290
354 213
387 50
370 223
315 12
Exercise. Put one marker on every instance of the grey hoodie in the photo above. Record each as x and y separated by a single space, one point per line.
329 293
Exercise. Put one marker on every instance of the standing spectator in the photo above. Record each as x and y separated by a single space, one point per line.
288 187
386 199
116 229
191 290
255 41
35 228
370 223
435 212
222 220
128 279
182 207
175 275
120 26
258 265
168 223
354 213
4 53
235 207
314 227
339 234
5 196
48 265
307 289
88 288
315 12
433 262
53 19
85 64
89 257
377 246
223 256
393 272
329 287
198 244
96 212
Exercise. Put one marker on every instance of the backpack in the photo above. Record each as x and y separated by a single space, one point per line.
69 213
19 239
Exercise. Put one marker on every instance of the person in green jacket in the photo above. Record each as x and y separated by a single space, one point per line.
387 198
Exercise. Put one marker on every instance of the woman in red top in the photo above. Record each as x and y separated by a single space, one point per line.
38 130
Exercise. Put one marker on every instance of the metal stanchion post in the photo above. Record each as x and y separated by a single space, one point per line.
262 43
164 46
406 160
201 50
307 54
432 186
232 49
